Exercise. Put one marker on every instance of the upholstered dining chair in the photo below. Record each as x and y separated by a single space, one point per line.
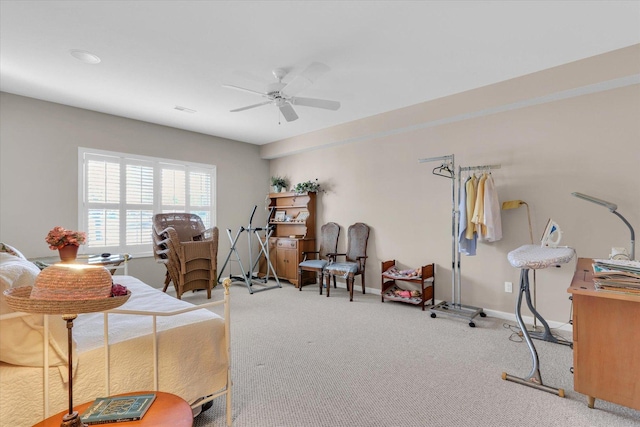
188 251
355 259
329 234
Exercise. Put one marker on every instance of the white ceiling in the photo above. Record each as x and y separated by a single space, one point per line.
383 55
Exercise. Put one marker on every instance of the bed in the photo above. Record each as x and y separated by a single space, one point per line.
191 343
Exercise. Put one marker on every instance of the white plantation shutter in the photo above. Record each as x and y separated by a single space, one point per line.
200 194
174 187
139 195
103 199
200 186
120 193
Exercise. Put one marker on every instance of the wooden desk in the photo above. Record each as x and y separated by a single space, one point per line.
168 410
606 341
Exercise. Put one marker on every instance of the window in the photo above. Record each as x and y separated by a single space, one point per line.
119 194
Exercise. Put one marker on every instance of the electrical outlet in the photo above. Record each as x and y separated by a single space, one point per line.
508 287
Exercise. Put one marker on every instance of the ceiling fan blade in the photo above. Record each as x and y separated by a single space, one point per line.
317 103
255 92
303 80
250 106
288 112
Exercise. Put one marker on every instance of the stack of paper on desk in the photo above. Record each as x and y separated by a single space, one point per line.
617 275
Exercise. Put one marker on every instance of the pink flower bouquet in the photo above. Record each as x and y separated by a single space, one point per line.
59 237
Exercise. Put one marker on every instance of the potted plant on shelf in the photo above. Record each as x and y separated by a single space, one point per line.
66 242
279 184
307 187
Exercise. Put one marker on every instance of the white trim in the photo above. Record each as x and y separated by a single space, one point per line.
528 320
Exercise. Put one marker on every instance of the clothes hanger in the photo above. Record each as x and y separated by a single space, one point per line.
443 170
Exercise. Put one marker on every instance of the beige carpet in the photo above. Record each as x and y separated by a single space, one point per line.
301 359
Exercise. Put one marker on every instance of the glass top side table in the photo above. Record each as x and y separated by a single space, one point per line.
113 261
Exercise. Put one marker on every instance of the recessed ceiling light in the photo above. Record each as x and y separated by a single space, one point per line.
84 56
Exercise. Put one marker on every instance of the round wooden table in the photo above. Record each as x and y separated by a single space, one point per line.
168 410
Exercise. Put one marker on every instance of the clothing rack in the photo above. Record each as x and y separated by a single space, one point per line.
455 307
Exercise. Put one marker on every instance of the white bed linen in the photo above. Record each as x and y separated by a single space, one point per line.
192 358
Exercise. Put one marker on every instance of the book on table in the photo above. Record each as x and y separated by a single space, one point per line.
116 409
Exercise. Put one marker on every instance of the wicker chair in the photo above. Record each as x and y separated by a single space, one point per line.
329 234
188 251
354 264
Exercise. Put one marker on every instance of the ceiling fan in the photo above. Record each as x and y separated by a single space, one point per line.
282 95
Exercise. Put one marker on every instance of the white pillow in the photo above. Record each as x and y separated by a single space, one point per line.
21 339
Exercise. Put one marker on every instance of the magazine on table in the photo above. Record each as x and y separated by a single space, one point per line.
611 272
116 409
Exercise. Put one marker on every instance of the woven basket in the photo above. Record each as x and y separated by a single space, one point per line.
19 299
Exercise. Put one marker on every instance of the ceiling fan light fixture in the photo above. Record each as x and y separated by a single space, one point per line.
84 56
279 73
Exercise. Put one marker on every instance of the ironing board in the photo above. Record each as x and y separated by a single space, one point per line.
534 257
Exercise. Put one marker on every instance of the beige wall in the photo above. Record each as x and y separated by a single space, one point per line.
39 179
585 140
571 128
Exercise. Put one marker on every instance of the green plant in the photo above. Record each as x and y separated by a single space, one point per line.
307 187
278 181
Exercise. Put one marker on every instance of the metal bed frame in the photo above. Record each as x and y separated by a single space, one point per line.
226 391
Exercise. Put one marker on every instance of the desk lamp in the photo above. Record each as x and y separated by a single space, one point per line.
613 209
68 290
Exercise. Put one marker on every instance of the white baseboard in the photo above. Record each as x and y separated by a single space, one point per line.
528 320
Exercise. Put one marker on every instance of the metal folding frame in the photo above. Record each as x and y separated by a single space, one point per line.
249 277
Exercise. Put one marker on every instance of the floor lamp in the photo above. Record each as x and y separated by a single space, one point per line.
68 290
514 204
613 209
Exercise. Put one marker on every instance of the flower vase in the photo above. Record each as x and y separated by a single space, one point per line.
68 253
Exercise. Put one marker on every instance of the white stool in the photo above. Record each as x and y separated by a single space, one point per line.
534 257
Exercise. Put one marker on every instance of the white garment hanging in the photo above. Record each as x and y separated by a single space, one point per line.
492 215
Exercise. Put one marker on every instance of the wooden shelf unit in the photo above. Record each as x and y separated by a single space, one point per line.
427 277
291 238
292 204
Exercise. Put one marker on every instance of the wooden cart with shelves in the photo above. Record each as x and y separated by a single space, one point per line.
292 235
426 280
